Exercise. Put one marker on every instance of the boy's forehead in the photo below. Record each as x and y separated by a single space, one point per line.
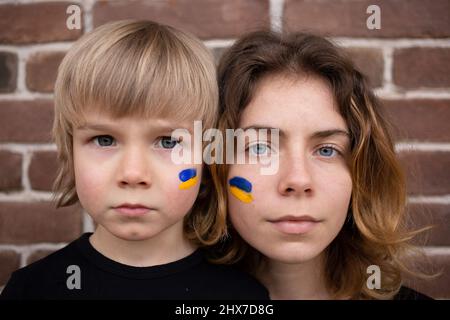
97 119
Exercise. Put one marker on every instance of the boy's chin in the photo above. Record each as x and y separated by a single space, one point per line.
135 236
131 234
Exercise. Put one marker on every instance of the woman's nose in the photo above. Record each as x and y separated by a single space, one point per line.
295 176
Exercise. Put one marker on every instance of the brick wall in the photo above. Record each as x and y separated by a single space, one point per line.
407 61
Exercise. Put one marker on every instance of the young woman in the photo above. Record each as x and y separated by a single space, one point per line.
333 214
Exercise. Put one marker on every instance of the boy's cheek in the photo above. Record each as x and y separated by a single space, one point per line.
90 190
185 184
179 201
185 196
89 178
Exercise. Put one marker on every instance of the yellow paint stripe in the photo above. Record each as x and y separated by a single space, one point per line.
188 183
241 195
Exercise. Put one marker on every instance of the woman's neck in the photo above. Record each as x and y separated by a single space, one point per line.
141 253
302 281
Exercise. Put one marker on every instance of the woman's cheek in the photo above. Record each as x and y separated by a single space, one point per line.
341 189
244 187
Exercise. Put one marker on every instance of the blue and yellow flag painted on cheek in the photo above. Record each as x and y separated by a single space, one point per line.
241 188
188 178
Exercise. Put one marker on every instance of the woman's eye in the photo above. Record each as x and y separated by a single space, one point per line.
258 148
327 151
167 143
104 141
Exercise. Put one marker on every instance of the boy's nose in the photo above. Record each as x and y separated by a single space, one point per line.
134 171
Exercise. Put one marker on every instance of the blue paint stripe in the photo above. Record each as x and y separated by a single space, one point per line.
241 183
187 174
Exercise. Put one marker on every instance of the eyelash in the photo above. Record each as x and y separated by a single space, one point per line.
158 140
327 146
95 140
266 144
330 147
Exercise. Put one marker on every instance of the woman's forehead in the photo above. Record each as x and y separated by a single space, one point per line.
304 105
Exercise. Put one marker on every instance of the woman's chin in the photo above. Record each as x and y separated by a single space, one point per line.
293 255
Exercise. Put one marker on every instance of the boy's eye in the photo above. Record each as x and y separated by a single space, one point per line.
104 141
167 142
328 151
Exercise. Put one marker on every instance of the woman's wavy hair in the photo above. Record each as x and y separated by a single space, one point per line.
375 232
145 69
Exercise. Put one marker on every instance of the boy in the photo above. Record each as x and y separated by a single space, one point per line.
120 92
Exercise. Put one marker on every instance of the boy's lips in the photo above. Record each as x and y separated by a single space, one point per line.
294 224
132 210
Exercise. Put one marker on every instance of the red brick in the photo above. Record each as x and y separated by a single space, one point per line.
26 121
437 287
415 19
38 255
35 23
25 223
42 69
10 261
8 72
206 19
370 62
419 119
416 68
426 172
42 170
435 215
10 171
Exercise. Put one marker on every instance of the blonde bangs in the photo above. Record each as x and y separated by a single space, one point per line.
138 69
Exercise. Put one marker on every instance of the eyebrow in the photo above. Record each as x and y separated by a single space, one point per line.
260 127
314 136
329 133
107 127
97 127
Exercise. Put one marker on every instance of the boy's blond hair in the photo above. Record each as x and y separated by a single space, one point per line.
142 69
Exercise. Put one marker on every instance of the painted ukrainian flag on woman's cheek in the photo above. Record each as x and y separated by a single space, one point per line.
241 188
188 178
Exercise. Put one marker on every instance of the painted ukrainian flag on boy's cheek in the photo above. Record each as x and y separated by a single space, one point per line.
188 178
241 188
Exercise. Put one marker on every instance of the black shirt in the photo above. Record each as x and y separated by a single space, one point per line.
406 293
78 271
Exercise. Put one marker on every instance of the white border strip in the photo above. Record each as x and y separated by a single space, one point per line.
276 8
444 199
397 43
422 146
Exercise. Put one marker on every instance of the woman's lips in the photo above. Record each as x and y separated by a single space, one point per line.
295 225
